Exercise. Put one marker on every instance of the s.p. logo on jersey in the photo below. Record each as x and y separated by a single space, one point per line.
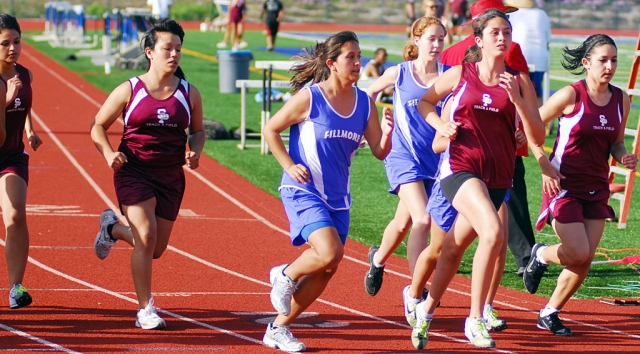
162 115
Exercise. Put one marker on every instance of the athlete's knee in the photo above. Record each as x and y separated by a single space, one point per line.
331 258
422 223
401 227
577 255
16 217
492 236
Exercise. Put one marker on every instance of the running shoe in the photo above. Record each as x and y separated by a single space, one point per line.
553 324
19 297
282 291
476 331
373 279
420 333
409 306
147 318
221 45
493 322
534 271
103 242
281 338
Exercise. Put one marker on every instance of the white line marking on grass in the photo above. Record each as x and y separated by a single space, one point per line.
274 227
53 346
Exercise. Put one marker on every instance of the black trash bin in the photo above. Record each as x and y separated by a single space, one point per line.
233 65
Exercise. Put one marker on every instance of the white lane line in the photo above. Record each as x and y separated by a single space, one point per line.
107 201
53 346
155 294
135 301
268 223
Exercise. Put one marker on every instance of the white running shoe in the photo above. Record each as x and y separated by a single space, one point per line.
283 288
493 322
409 306
19 297
147 318
103 242
221 45
420 333
243 44
476 331
281 338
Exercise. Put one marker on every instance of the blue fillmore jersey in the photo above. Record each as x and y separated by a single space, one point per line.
411 158
325 143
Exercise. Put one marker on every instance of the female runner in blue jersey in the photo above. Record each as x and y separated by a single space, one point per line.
411 165
327 122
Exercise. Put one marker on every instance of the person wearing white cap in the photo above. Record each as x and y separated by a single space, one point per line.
532 29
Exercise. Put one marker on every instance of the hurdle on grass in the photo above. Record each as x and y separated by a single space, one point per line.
65 25
266 84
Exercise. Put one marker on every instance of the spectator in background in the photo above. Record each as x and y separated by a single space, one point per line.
374 69
159 8
436 9
274 12
532 28
459 10
235 26
410 7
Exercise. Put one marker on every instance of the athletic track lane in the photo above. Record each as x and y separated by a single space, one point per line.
230 236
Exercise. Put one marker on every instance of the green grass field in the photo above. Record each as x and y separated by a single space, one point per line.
373 207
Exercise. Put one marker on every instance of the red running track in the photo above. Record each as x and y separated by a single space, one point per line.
211 285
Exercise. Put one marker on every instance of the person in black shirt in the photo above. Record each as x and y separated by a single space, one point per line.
274 12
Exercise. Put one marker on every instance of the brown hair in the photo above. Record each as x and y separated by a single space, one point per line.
313 67
472 54
418 28
480 23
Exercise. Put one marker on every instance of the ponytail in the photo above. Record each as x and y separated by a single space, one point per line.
313 67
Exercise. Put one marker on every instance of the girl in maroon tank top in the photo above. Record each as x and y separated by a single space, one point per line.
149 179
15 93
593 115
477 168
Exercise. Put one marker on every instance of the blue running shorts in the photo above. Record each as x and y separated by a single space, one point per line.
305 209
441 211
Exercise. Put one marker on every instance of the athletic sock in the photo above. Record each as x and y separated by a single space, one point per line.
539 255
487 308
109 229
376 264
548 310
420 312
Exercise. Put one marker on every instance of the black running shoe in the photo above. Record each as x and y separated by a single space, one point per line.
534 271
373 279
425 293
553 324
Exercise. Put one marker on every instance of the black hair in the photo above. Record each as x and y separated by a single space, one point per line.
150 38
9 22
313 67
572 58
